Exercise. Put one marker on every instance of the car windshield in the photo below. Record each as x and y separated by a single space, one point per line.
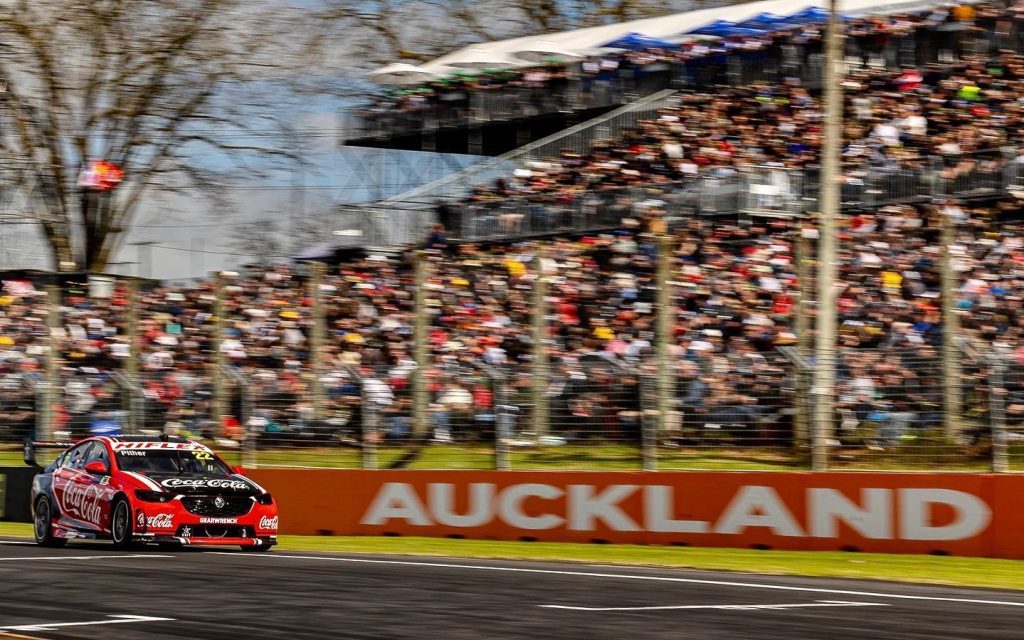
171 461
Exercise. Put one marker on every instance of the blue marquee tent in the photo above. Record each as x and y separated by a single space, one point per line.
726 29
810 15
768 22
634 41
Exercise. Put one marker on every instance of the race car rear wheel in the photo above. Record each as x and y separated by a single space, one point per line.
42 524
121 524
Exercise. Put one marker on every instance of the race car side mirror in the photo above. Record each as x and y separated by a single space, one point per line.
239 469
97 467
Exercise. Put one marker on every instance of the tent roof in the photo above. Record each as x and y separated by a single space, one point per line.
669 27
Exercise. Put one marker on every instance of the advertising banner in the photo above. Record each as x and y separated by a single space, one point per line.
960 514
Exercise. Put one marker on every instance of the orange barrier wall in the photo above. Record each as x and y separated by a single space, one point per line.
962 514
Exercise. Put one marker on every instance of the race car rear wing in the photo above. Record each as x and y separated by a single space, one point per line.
32 445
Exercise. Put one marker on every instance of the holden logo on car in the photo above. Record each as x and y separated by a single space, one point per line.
268 523
214 483
160 521
82 501
219 502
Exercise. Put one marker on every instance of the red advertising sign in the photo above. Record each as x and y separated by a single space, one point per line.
963 514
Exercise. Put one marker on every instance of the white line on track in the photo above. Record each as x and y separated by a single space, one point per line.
51 626
15 542
728 607
103 557
626 576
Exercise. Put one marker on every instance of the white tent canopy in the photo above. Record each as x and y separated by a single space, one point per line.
402 73
478 56
540 50
671 27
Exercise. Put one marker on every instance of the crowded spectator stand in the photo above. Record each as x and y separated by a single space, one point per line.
288 362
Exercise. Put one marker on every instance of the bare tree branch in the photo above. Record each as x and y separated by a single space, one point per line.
139 83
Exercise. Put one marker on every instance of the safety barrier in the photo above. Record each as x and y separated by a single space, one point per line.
973 515
15 488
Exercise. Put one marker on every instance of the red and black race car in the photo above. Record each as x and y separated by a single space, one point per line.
142 489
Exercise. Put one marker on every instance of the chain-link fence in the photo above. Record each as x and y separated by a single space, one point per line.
247 364
736 413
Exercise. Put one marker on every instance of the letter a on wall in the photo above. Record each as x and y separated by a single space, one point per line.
396 501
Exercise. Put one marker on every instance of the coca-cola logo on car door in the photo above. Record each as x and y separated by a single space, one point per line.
82 501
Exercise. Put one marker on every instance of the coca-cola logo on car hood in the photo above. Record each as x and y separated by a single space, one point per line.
205 483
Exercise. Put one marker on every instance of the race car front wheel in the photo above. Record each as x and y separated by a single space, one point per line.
121 524
42 525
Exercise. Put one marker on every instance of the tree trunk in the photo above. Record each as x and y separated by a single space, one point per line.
59 244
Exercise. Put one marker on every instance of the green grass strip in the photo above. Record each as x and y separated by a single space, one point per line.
946 570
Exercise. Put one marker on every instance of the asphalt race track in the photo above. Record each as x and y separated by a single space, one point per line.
95 592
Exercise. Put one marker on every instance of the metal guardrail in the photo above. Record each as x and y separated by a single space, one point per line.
745 191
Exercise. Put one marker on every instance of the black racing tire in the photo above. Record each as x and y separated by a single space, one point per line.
260 548
121 524
42 524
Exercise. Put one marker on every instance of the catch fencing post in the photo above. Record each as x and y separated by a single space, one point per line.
316 338
997 410
665 336
539 361
420 421
802 326
51 386
952 401
131 363
825 347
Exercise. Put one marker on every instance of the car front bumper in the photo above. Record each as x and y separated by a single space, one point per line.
256 541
